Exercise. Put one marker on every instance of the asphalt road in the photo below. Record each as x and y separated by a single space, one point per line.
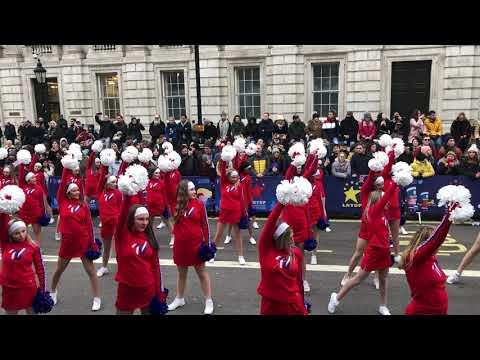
234 286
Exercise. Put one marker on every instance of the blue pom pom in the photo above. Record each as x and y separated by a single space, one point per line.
94 255
322 224
308 306
310 244
42 302
207 251
166 213
158 307
43 220
243 224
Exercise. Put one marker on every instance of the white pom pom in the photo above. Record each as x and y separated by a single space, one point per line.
453 194
174 160
12 199
401 166
382 157
108 157
167 147
284 192
462 214
302 191
322 152
128 157
402 178
97 146
385 140
375 165
24 157
70 161
228 153
251 149
314 145
299 160
145 156
139 176
132 150
3 153
163 163
76 150
399 147
40 149
126 186
239 144
296 148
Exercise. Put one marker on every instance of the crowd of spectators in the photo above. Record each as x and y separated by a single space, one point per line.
351 142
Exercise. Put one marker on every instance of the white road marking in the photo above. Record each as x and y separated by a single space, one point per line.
256 265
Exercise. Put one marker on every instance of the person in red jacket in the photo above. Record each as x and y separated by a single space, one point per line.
21 261
171 180
92 176
191 230
157 203
109 202
424 276
366 128
35 202
231 207
377 253
6 178
138 271
76 231
281 266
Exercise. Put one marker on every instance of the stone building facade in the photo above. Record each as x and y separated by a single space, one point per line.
141 80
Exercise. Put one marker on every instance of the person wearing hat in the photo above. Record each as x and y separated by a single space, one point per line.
21 261
35 201
135 129
77 236
366 128
210 132
280 128
450 145
470 165
448 165
421 167
109 203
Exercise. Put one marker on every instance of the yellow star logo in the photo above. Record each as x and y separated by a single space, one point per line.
351 194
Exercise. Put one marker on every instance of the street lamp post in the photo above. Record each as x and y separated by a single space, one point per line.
41 76
197 78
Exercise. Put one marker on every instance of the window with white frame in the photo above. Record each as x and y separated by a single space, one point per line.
248 92
174 83
325 88
109 94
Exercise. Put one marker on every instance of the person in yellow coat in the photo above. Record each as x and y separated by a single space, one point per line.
434 128
421 167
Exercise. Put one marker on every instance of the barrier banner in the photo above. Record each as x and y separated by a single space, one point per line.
52 186
205 190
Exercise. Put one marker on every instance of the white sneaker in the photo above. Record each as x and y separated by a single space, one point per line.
333 303
403 231
328 229
57 236
161 225
102 271
212 260
376 283
172 240
383 310
306 286
252 241
344 280
54 297
176 304
52 220
97 303
100 224
208 307
313 260
454 279
228 239
255 225
241 260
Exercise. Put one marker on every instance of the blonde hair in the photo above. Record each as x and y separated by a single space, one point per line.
421 235
372 199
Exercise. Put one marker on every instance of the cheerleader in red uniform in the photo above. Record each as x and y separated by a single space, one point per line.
21 261
109 202
171 179
7 178
191 230
377 253
76 231
281 269
92 176
425 277
138 272
35 202
157 198
393 209
231 207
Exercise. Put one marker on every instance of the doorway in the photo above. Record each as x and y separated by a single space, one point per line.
53 100
410 87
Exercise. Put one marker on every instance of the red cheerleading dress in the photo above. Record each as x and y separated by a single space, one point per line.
156 197
425 277
365 191
109 202
171 180
281 284
231 199
17 275
239 160
91 178
75 227
39 175
34 205
190 231
393 209
138 271
246 181
8 180
377 252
